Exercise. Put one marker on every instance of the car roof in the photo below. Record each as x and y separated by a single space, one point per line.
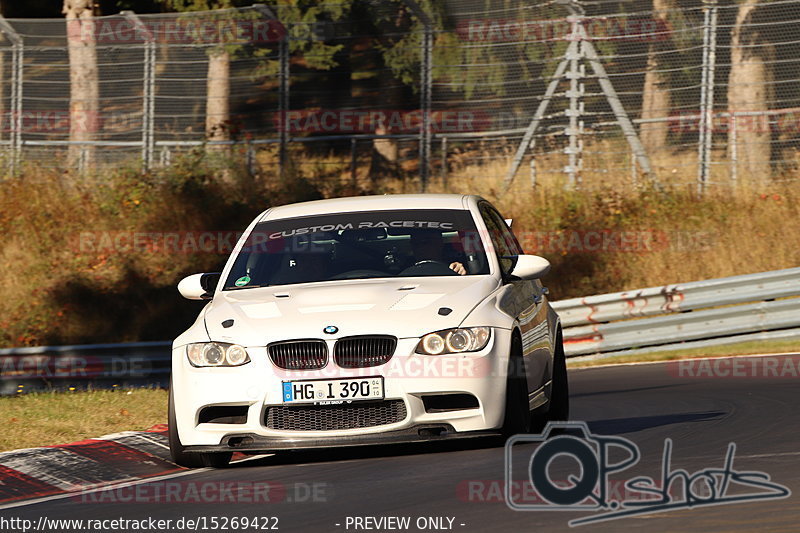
371 203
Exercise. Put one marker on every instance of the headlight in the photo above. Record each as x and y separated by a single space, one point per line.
454 341
216 354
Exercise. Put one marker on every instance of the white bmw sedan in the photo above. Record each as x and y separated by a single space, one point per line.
366 320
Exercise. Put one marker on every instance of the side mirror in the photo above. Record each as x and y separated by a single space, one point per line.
530 267
199 286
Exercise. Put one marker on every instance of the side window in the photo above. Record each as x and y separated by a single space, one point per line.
508 235
503 240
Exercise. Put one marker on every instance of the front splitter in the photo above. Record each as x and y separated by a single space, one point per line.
253 443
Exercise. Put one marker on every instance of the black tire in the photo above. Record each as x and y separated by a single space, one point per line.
559 393
517 417
190 459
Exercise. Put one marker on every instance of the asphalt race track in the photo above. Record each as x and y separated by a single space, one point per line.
463 481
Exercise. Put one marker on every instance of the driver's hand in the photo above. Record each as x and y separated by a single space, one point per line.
458 268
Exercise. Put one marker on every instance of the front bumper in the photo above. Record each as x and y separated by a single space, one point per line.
252 443
408 377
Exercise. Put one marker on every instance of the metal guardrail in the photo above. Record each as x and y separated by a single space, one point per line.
679 297
105 366
716 311
754 307
706 324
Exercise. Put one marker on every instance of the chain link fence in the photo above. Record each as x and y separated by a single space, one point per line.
595 93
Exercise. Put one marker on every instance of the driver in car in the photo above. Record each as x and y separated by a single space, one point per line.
428 245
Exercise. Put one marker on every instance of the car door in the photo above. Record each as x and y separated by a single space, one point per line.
524 300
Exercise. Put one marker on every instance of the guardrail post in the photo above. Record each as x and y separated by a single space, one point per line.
17 57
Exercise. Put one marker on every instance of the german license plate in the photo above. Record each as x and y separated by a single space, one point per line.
333 390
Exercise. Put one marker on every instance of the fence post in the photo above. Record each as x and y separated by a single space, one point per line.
706 132
166 156
148 89
250 159
353 162
283 90
83 158
425 105
426 91
150 128
444 161
283 103
15 124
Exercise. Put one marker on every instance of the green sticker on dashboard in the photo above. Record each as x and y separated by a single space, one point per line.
241 282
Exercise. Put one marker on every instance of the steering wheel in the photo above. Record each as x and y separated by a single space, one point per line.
429 267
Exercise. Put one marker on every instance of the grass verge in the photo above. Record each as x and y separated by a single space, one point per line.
48 418
743 348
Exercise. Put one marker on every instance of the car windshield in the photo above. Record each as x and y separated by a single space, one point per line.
373 244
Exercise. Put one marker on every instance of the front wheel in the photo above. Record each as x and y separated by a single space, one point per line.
559 394
189 459
517 414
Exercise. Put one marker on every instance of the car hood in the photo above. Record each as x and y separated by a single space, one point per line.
408 307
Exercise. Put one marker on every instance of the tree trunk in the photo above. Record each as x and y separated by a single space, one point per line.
218 99
655 93
84 89
749 90
6 122
385 152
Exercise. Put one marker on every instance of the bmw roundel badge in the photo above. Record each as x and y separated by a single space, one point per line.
330 330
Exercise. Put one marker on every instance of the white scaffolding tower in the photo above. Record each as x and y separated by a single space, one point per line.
572 67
